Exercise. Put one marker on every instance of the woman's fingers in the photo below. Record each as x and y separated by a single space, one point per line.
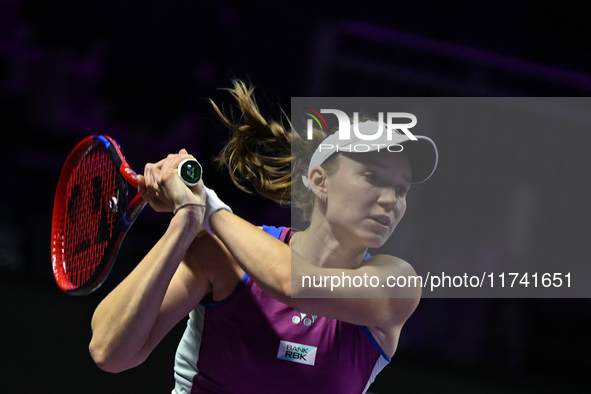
148 193
161 186
169 166
155 173
151 174
159 164
141 184
169 175
171 156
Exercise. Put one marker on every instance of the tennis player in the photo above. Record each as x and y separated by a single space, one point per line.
252 329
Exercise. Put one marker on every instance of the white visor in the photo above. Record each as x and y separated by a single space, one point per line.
421 152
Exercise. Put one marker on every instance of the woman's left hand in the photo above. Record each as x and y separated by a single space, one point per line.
162 187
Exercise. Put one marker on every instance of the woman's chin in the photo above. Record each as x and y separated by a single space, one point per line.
376 241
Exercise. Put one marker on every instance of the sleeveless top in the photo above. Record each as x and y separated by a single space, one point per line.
252 343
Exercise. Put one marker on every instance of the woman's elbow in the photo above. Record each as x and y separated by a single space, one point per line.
286 287
280 290
100 357
106 360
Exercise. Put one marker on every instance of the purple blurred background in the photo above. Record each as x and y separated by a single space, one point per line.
142 72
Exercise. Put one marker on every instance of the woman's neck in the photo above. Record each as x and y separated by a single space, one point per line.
320 247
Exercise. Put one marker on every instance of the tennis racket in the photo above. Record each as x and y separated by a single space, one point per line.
92 212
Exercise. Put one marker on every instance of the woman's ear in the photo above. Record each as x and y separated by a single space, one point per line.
318 178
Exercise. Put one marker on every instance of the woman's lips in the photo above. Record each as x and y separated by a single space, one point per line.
382 219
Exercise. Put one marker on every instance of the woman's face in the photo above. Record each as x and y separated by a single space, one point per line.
367 196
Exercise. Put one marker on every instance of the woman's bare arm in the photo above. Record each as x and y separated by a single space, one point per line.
123 323
135 316
269 262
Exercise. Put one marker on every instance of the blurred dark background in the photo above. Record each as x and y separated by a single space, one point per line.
142 72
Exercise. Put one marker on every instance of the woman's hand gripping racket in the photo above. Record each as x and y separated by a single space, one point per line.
92 214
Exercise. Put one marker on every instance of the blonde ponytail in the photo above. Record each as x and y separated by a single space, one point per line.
266 154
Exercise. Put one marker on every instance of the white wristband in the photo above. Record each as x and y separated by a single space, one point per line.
214 204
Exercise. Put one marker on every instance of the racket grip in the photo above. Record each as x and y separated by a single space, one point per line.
190 171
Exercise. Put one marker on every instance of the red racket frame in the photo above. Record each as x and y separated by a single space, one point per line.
122 216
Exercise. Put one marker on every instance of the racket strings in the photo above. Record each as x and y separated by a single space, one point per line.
91 213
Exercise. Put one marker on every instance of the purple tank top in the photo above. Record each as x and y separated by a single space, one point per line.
252 343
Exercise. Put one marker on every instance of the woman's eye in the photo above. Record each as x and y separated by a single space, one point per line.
401 191
371 177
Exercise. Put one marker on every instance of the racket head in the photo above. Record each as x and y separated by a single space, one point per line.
89 214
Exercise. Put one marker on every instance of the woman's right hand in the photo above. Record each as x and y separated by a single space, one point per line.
163 189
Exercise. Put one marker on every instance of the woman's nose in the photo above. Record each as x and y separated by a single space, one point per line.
388 197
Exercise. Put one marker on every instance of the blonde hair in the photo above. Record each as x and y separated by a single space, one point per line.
266 154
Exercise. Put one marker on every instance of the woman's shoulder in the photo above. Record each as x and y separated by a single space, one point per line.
390 262
400 279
